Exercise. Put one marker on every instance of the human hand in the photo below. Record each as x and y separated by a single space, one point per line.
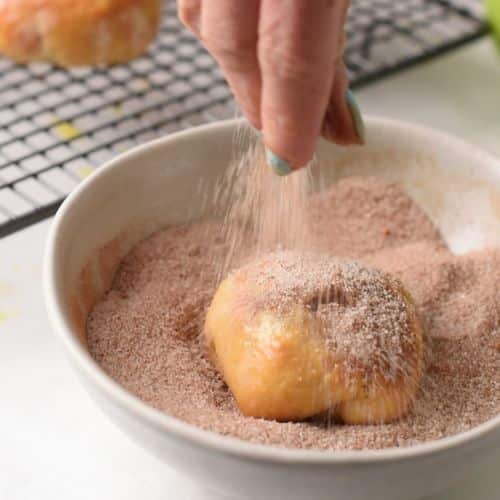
283 61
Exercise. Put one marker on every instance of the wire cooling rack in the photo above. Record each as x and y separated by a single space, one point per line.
57 126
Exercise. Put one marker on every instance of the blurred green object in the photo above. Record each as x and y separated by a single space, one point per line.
493 13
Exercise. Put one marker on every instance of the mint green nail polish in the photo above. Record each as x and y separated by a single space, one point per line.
280 166
356 114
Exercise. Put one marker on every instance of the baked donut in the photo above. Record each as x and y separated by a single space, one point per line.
298 334
77 32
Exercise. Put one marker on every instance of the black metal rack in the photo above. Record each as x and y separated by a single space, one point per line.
57 126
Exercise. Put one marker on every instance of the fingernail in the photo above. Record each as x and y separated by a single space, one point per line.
280 166
356 115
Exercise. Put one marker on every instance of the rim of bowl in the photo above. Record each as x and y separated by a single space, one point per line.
182 430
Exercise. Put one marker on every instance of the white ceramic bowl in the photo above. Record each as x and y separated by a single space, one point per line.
156 184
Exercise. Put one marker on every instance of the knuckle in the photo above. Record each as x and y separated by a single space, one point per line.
289 65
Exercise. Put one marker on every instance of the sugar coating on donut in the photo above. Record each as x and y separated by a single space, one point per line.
290 313
362 310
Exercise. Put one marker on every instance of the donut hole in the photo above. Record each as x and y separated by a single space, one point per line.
297 334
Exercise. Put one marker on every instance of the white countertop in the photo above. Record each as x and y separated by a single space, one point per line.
55 443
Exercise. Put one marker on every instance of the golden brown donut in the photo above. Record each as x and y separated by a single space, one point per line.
295 335
77 32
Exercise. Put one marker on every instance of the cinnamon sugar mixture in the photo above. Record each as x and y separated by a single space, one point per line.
145 333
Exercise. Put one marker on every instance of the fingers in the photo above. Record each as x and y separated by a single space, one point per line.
296 43
342 123
190 14
277 57
229 31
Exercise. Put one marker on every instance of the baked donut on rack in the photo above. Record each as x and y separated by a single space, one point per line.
297 334
77 32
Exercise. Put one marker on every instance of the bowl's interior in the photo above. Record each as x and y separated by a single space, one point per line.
159 184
